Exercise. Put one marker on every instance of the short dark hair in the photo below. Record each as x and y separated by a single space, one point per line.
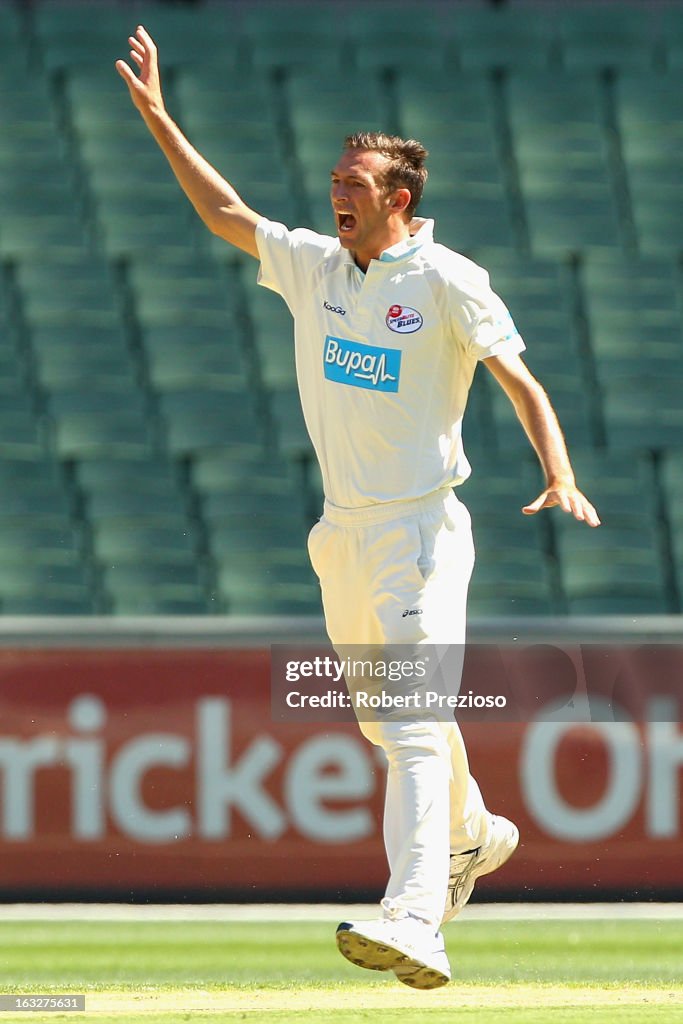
406 161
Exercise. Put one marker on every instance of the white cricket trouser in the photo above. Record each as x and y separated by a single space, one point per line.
375 565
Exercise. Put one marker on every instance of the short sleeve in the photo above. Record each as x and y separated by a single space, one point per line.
288 259
482 321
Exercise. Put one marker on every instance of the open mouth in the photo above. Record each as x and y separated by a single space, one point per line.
346 221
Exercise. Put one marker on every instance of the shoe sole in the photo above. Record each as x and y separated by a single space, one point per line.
417 975
375 956
502 855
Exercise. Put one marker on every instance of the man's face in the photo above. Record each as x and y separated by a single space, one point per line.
361 204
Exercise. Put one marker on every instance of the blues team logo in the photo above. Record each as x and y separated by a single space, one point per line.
403 319
362 366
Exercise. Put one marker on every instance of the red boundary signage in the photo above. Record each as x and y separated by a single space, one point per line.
134 771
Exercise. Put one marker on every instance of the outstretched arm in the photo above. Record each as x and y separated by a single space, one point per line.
540 423
214 199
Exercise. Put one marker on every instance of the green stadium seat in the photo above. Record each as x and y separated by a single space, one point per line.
41 603
277 367
291 17
89 423
167 539
170 599
671 477
650 120
512 574
84 367
14 53
618 38
145 502
11 28
200 419
561 157
315 99
152 587
570 403
619 601
266 603
27 199
272 599
82 435
611 580
181 33
234 575
257 483
633 317
465 192
43 536
88 341
290 46
126 228
671 37
32 489
106 474
37 582
272 334
22 235
66 40
41 497
491 603
643 411
52 293
323 110
472 215
538 297
175 367
290 427
20 433
254 505
281 538
98 100
93 402
623 558
611 480
209 97
381 43
672 483
501 37
12 371
31 149
182 285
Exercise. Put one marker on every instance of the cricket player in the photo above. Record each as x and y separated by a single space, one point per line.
389 328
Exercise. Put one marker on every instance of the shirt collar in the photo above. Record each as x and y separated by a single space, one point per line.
421 232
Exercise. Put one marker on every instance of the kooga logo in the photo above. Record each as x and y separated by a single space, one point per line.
362 366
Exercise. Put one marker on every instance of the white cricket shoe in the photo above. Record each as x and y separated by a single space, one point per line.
406 946
466 868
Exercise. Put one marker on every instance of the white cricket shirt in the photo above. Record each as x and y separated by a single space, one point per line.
385 358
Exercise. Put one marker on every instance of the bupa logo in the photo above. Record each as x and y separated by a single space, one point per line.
403 319
362 366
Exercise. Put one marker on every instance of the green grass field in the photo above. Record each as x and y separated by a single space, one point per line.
162 973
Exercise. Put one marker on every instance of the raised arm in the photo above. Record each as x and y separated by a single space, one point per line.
214 199
538 418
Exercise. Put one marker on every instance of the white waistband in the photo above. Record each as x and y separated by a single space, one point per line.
384 511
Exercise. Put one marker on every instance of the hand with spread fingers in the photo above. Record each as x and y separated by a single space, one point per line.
569 498
145 88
